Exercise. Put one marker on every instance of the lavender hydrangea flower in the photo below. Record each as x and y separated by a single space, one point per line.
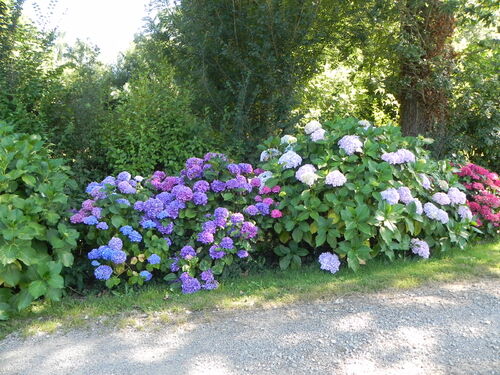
391 158
103 272
166 197
431 211
126 188
306 174
146 275
115 243
312 126
289 159
218 186
405 195
168 229
201 186
405 156
441 198
154 259
465 213
200 199
249 230
205 237
124 201
442 216
88 204
174 267
242 253
215 252
124 176
207 275
102 225
426 183
456 196
329 262
90 220
189 284
209 227
109 180
187 252
318 135
350 144
390 195
152 207
237 218
97 211
251 210
335 179
418 204
221 212
420 248
245 168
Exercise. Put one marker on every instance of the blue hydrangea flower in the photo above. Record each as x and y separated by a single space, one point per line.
135 236
148 224
90 187
103 272
174 267
102 225
154 259
118 256
115 243
126 230
124 201
146 275
95 263
90 220
221 212
263 208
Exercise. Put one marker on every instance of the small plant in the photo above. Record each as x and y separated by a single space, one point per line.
363 191
35 241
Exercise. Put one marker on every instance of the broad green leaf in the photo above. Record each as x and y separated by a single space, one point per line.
37 288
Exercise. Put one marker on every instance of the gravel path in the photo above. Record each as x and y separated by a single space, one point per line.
441 329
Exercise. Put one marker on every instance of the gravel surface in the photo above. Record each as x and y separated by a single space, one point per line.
440 329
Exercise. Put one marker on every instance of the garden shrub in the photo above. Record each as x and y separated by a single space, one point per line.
483 193
183 228
362 191
35 242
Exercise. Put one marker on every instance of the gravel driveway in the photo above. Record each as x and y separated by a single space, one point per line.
440 329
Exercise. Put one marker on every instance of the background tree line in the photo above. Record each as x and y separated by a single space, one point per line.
223 75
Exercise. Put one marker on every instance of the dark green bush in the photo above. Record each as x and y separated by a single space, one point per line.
35 242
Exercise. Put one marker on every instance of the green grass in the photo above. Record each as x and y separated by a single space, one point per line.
271 288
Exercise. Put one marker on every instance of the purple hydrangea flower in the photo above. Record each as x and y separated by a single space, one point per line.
233 169
201 186
216 253
350 144
218 186
174 267
154 259
187 252
263 208
124 176
209 226
405 156
237 218
205 237
249 230
126 188
97 211
245 168
146 275
420 248
77 218
242 253
220 222
182 193
456 196
329 262
166 197
168 229
102 225
200 199
103 272
391 158
207 275
115 243
221 212
431 211
390 195
426 183
189 284
90 187
152 207
441 198
251 210
335 178
418 205
227 243
139 206
88 204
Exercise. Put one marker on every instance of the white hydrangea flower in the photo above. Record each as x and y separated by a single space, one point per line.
312 126
318 135
269 154
288 139
290 159
306 174
365 124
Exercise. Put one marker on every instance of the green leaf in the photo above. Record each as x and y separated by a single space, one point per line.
22 300
285 261
117 221
297 234
37 288
320 238
56 282
10 274
66 258
29 180
172 277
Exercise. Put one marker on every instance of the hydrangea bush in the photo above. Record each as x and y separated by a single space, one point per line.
36 241
183 228
483 193
358 191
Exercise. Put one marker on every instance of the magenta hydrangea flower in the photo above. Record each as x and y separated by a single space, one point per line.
420 248
276 214
329 262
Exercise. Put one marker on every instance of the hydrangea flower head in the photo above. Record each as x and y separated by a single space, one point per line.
218 186
456 196
102 225
126 188
289 159
237 218
276 214
146 275
189 284
426 183
418 204
405 195
123 176
431 211
135 236
350 144
269 154
329 262
405 156
390 195
182 193
115 243
335 179
391 158
233 169
312 126
77 218
465 213
187 252
288 139
249 230
200 199
227 243
365 124
216 253
442 216
242 254
118 256
154 259
103 272
441 198
126 230
307 174
123 201
420 248
205 237
90 220
318 135
201 186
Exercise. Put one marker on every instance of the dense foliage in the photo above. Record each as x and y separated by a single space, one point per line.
363 191
35 240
